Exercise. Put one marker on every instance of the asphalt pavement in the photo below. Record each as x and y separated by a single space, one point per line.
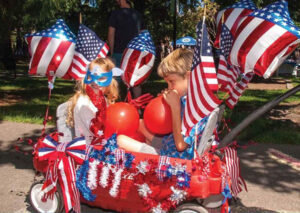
273 183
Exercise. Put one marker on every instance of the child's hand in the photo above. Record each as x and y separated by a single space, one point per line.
172 98
162 92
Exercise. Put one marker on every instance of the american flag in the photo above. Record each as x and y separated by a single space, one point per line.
227 74
236 92
264 39
51 51
88 47
232 15
138 59
200 99
233 171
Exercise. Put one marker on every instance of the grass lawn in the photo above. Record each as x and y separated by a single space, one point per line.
25 98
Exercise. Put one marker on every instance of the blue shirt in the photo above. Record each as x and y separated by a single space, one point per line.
168 142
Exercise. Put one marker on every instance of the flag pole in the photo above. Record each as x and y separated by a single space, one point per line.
203 21
174 24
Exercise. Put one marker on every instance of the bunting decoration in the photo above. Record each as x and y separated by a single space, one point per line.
61 158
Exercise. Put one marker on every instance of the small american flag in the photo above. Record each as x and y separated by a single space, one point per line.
51 51
88 47
236 92
227 75
232 15
264 39
200 99
233 171
138 59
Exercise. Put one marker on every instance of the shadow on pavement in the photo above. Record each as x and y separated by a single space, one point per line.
237 206
259 168
18 151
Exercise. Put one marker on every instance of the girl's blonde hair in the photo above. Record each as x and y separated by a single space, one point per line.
177 62
111 93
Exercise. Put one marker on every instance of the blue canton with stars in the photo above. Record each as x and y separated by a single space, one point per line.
60 31
226 41
203 46
143 42
246 4
278 14
88 43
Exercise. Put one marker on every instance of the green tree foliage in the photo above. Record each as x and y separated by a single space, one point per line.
25 16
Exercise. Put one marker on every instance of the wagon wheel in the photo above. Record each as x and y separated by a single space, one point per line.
190 208
213 201
35 196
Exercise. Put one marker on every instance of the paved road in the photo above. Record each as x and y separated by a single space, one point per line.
273 186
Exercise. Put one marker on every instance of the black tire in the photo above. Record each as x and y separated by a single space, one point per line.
53 206
190 208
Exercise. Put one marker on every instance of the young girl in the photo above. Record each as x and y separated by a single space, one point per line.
175 69
98 89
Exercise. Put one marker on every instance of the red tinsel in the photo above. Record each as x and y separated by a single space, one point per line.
97 123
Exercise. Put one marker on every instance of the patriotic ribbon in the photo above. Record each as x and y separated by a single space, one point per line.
163 163
140 102
61 158
227 196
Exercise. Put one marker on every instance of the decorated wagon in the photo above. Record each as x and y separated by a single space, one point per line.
108 177
252 41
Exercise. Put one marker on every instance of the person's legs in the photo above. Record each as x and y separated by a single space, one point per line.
117 57
132 145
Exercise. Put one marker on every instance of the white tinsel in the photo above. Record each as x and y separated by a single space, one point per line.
144 190
178 195
103 181
92 174
143 167
158 209
114 190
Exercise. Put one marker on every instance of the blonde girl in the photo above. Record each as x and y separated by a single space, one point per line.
86 112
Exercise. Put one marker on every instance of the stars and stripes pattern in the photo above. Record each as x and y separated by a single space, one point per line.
200 99
138 59
62 168
205 55
236 92
51 51
264 39
75 148
231 16
88 47
163 164
227 74
233 171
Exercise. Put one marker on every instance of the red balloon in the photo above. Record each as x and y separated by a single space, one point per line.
158 116
121 118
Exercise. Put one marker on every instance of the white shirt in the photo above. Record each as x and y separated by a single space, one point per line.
84 112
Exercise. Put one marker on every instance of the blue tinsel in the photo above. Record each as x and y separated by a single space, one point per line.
81 182
106 155
180 175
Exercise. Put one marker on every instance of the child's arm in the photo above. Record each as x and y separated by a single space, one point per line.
173 99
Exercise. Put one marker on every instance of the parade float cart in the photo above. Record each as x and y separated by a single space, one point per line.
111 178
